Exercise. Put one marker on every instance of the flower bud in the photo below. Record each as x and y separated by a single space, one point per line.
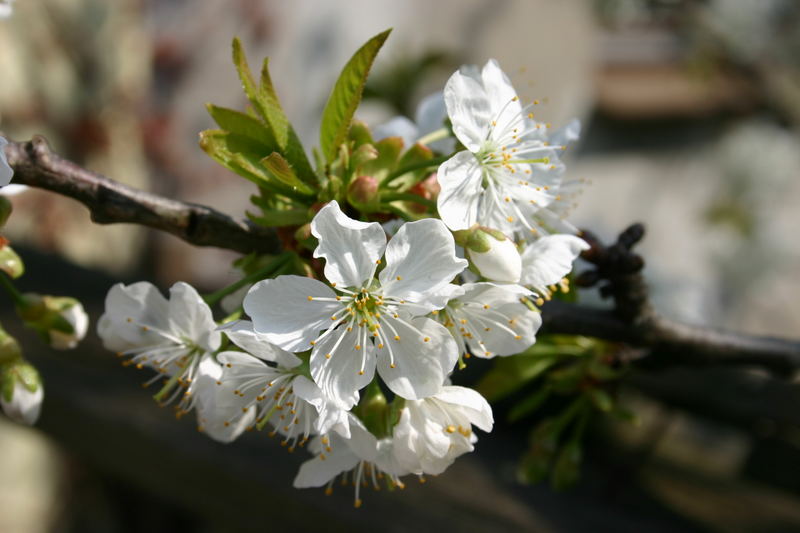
363 194
10 262
61 321
21 391
492 253
9 348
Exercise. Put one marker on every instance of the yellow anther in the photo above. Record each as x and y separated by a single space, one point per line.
397 337
310 298
327 356
450 429
398 278
426 339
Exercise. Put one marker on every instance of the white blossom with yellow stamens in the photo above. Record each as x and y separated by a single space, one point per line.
489 319
434 431
368 319
510 169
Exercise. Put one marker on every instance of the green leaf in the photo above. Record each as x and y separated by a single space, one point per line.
266 103
240 62
284 217
346 96
280 168
242 156
509 374
290 144
567 467
244 125
360 133
601 400
535 464
529 404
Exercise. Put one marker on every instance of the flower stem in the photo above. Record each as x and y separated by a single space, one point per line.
269 269
435 162
19 299
441 133
407 197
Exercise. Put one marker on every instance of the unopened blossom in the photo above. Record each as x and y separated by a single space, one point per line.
21 391
434 431
270 383
6 172
492 253
73 313
366 319
177 338
361 459
489 319
547 260
510 168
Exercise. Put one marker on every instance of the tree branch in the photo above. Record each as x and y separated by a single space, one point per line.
660 341
110 202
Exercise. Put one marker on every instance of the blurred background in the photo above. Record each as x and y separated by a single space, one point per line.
690 112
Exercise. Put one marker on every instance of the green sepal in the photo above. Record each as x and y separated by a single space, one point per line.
359 133
361 156
346 95
388 153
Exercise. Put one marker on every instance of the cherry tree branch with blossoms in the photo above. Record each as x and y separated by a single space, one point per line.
662 342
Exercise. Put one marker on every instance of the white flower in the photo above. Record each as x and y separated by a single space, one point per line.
488 319
22 392
75 315
177 338
434 431
6 172
280 395
547 260
361 459
430 117
373 320
510 168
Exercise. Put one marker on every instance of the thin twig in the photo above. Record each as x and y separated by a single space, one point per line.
110 202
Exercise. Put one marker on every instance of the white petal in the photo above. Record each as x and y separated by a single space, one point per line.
349 367
420 365
469 109
25 405
350 248
547 260
397 127
503 101
420 259
127 311
242 334
471 402
282 312
566 134
499 324
219 410
6 172
430 116
192 317
12 189
317 472
330 416
460 199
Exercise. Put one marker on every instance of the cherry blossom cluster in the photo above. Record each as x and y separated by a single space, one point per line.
354 359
